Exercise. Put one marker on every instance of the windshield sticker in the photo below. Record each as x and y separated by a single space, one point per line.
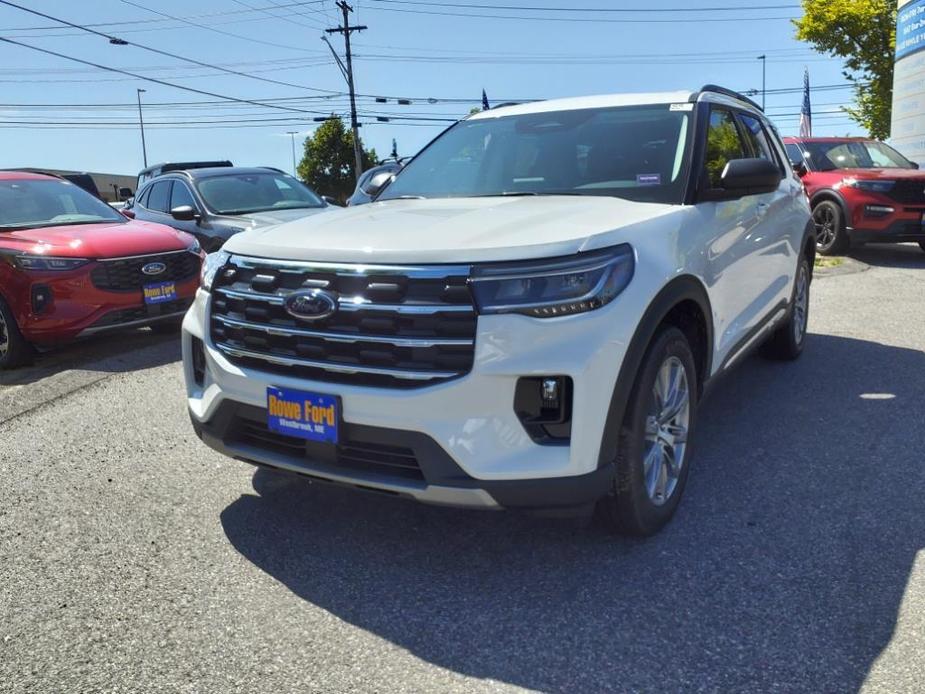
648 179
681 107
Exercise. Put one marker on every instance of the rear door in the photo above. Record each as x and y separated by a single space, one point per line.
155 204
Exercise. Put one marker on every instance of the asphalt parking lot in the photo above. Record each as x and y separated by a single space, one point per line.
134 559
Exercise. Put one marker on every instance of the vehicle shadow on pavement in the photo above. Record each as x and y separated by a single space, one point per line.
901 255
111 353
784 568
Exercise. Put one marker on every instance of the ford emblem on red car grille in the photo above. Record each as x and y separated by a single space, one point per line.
154 268
310 305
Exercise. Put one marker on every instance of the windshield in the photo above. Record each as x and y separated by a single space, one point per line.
261 192
634 152
869 154
33 203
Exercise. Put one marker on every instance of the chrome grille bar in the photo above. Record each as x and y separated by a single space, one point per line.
272 329
352 305
280 360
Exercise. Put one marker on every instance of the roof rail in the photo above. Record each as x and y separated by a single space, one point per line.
716 89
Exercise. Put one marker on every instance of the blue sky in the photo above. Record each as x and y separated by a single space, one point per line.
421 50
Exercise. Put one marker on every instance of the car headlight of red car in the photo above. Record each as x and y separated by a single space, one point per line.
873 186
26 261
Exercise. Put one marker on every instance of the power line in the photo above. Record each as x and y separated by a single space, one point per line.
526 8
595 20
154 79
118 41
268 11
242 37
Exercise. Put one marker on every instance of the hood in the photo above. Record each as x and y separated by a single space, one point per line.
874 174
448 230
104 240
258 220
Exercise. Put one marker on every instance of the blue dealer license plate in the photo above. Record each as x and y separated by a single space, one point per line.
160 293
311 416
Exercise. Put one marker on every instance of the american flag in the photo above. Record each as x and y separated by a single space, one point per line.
806 112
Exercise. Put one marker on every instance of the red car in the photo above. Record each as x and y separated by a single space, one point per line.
860 190
70 266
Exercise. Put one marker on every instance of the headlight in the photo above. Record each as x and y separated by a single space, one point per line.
210 266
558 287
874 186
44 262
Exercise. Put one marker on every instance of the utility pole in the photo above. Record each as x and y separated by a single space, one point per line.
141 122
292 134
346 30
764 65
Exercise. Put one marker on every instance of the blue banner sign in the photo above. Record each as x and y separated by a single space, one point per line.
910 28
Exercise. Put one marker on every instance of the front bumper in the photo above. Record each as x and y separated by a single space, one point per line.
484 456
79 309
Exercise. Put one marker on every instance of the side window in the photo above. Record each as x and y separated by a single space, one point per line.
757 139
181 195
723 145
159 197
142 197
794 153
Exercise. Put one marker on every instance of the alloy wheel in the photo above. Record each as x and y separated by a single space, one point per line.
667 427
824 218
801 306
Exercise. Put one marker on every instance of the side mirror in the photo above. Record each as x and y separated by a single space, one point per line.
375 185
184 213
914 164
799 168
750 177
125 193
331 201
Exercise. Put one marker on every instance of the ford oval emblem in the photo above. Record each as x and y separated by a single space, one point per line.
313 304
154 268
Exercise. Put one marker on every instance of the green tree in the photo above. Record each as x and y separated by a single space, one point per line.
328 161
863 33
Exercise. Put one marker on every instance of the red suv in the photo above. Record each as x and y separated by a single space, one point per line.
70 265
860 190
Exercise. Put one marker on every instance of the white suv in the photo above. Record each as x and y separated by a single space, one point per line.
526 317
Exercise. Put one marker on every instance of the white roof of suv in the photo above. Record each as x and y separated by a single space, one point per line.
608 100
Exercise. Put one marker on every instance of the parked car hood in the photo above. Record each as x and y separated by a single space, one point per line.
448 230
258 220
886 174
104 240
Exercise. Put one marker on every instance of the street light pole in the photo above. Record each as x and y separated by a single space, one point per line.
764 65
141 122
292 134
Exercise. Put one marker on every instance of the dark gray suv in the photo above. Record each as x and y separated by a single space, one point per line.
215 203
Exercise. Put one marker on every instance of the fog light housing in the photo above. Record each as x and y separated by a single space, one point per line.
878 210
198 354
544 406
42 299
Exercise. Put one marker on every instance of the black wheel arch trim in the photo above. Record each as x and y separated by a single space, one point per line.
831 194
682 288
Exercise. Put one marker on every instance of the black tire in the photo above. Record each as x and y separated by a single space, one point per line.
922 245
831 234
170 326
629 508
14 349
786 343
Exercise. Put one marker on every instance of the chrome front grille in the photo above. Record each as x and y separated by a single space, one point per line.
394 326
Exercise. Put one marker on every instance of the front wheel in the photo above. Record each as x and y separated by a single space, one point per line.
831 234
14 349
653 450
